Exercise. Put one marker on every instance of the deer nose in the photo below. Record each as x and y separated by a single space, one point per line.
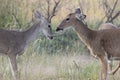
58 29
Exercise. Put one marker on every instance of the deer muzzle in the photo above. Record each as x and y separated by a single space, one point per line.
58 29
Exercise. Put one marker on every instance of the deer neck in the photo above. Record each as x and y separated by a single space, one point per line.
32 32
84 33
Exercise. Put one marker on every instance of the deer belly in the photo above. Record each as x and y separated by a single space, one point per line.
21 49
3 50
114 53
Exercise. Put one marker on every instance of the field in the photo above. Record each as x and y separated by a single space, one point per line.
54 67
63 58
48 62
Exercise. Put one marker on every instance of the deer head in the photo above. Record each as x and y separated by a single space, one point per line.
70 19
44 24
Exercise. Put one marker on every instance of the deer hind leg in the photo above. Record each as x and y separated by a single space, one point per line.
115 70
14 66
104 68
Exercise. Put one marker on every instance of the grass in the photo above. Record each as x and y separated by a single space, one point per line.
47 67
33 66
67 43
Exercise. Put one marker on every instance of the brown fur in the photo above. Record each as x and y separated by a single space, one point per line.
101 43
107 26
110 26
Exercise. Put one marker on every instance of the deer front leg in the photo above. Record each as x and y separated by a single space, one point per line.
14 66
104 68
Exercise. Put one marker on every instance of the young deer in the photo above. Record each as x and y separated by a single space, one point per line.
110 26
103 44
13 43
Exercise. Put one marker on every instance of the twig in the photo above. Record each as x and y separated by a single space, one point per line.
50 16
16 20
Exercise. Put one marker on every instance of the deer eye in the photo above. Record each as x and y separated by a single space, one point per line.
49 27
67 19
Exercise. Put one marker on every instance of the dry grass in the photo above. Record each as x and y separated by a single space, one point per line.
53 67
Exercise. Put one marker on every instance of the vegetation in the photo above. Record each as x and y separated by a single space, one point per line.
61 58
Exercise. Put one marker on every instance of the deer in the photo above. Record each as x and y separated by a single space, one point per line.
13 43
107 26
110 62
103 44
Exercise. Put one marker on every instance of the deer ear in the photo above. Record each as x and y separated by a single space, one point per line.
78 11
37 14
80 16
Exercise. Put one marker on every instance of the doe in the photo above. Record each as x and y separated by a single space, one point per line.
103 44
13 43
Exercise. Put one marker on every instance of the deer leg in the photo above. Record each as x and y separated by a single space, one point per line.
14 66
110 64
115 70
104 68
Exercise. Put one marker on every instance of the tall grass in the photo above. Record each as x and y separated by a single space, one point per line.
33 66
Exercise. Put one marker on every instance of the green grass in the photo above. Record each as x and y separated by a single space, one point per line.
66 43
33 66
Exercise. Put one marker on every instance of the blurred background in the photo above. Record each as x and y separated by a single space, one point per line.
18 13
65 57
